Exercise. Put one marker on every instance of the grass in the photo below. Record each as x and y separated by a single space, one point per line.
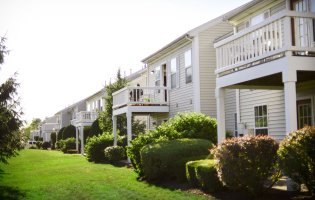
40 174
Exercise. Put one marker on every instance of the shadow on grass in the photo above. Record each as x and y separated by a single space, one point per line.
11 193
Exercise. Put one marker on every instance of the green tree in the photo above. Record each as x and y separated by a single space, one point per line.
10 113
33 126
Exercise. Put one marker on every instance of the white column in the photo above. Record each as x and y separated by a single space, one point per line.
129 128
115 129
290 106
220 93
82 139
76 139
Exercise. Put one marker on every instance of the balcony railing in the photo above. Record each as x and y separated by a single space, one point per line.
141 96
84 117
266 40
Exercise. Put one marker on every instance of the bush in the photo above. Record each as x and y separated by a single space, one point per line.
68 132
95 128
114 153
36 138
95 146
202 173
45 145
59 144
167 159
246 162
68 144
59 135
39 144
53 137
33 147
297 157
86 131
183 125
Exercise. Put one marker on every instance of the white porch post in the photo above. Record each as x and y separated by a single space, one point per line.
115 129
220 93
129 128
76 139
82 139
289 80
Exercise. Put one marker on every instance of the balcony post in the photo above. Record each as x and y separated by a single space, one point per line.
287 40
129 128
115 129
220 93
76 139
289 80
82 139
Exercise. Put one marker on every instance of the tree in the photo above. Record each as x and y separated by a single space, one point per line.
10 113
33 126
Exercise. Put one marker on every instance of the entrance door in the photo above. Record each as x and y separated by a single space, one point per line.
304 112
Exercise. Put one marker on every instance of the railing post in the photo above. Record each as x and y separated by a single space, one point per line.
287 32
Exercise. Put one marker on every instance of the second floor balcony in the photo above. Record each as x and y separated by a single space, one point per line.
146 99
287 31
84 118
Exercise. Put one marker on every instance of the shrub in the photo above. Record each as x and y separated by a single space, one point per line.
95 128
68 144
246 162
167 159
36 138
68 132
53 137
114 153
39 144
183 125
45 145
86 131
59 135
59 144
297 157
95 146
202 173
33 147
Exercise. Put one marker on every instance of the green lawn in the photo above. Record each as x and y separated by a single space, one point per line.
40 174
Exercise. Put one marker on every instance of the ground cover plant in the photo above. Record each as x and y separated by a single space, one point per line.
52 175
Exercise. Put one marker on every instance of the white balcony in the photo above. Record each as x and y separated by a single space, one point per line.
286 31
141 99
84 118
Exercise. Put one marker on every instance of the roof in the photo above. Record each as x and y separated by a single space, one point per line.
136 74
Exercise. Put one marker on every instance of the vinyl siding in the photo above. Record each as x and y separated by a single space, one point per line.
207 66
230 110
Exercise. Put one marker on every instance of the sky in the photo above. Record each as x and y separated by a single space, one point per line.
65 50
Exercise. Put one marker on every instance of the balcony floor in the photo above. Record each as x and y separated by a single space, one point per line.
142 108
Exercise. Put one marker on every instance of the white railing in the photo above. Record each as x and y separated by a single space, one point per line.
266 39
84 117
140 96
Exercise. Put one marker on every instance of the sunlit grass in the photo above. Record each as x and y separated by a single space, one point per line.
39 174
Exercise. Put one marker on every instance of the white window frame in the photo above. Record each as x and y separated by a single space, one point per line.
157 76
312 107
188 67
267 114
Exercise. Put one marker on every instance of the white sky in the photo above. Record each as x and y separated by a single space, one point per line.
65 50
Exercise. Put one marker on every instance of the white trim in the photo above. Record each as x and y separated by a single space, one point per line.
258 128
195 74
312 107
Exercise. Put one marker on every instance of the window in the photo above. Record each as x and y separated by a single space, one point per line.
188 66
174 73
261 120
157 74
304 109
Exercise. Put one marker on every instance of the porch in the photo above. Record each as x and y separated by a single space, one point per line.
138 101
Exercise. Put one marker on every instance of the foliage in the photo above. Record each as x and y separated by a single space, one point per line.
10 113
167 159
53 137
68 132
59 144
33 126
203 174
86 130
183 125
246 162
114 153
36 138
297 157
95 146
68 144
59 134
39 144
45 145
33 147
95 128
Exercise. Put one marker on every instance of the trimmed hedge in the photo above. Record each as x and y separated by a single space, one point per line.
183 125
68 144
246 163
59 134
95 128
68 132
297 157
203 174
95 146
53 138
114 153
45 145
167 159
